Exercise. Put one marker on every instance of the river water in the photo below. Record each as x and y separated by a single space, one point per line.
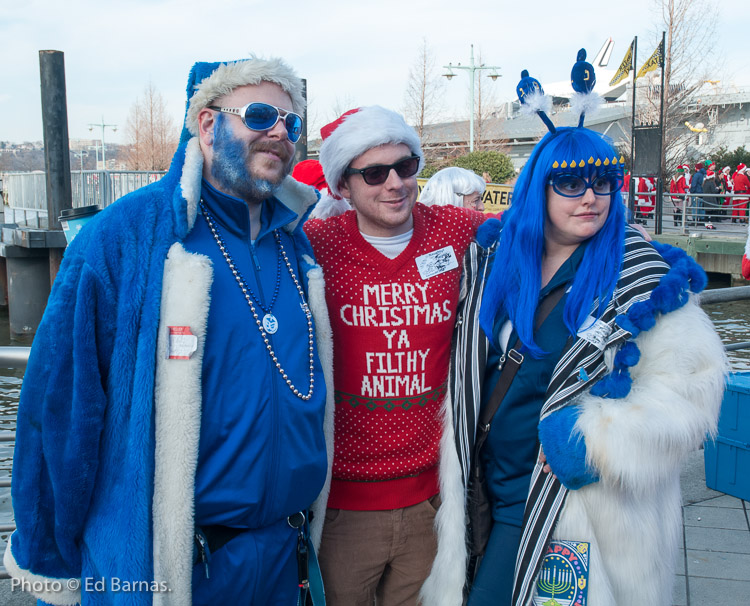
732 322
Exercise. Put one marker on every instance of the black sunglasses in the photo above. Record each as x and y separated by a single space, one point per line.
264 116
378 174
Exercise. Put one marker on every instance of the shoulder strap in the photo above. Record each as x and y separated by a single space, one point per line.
514 359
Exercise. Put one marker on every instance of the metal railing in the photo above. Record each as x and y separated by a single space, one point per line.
707 213
25 193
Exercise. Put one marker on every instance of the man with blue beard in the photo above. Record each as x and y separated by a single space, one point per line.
170 431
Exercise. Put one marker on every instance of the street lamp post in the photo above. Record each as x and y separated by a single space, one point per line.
471 68
80 154
103 125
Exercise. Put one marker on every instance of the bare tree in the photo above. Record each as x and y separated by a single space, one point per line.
151 132
341 105
423 91
688 60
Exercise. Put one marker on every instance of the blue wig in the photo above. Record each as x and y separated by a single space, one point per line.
515 280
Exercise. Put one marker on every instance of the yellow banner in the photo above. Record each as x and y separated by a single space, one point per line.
654 61
496 197
625 66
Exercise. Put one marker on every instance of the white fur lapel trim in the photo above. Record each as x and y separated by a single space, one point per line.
185 302
298 197
324 340
444 586
190 180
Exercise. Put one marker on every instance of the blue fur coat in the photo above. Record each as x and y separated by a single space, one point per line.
107 436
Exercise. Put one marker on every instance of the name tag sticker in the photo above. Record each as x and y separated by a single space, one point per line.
182 343
436 262
595 333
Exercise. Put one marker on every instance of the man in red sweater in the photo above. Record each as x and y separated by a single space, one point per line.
393 270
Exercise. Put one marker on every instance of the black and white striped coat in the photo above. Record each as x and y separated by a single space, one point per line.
631 516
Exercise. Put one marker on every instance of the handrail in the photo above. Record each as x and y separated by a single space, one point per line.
722 295
17 357
12 356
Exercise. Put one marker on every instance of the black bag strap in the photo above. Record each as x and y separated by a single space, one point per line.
513 361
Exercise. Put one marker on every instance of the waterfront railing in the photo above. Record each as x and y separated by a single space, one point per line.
25 193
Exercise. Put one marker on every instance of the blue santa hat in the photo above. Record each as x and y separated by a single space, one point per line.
209 81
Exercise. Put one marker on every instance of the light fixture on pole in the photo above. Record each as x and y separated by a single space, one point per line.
80 154
103 125
472 68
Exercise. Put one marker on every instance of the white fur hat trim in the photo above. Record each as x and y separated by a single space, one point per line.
367 128
228 76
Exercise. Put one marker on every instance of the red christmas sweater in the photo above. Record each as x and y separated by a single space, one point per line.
392 322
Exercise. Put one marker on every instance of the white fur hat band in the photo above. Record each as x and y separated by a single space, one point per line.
210 81
357 131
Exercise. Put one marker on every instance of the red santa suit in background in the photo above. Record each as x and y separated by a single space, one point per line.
678 185
741 186
645 203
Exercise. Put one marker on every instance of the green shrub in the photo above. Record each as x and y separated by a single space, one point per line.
496 164
723 157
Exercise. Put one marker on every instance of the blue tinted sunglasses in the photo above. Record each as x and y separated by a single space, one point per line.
263 116
570 185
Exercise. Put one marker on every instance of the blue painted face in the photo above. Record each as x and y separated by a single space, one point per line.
231 165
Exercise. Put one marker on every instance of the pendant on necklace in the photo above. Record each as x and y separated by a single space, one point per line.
270 324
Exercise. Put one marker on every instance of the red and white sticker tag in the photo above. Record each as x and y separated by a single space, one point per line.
182 343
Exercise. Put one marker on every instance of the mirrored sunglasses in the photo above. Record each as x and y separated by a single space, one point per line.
378 174
574 186
264 116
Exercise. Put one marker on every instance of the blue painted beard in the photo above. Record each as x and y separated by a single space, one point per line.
230 166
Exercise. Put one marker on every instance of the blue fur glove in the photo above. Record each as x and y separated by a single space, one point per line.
565 449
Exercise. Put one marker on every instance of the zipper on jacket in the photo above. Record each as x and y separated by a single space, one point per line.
256 263
272 372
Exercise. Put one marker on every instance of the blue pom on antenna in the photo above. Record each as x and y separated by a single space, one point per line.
528 86
582 77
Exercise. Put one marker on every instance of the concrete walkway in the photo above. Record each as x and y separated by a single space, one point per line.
714 563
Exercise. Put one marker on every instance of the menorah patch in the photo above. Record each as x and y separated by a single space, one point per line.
564 577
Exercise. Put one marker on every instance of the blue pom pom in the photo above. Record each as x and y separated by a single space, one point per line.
582 77
614 385
620 383
671 254
601 389
642 315
528 86
488 232
697 277
666 296
628 355
624 322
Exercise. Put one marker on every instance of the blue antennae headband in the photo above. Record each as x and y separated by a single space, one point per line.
584 100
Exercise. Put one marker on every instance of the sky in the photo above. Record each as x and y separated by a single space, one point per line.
351 53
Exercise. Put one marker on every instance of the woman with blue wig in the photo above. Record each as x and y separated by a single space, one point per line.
618 375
